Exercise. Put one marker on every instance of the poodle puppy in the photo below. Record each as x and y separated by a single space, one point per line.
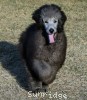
43 46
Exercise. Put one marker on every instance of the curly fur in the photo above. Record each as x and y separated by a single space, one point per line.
43 60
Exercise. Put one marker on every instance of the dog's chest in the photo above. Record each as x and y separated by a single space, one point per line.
46 53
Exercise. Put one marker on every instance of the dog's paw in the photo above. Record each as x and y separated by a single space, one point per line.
38 90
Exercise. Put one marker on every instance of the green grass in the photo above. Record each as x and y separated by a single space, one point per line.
15 16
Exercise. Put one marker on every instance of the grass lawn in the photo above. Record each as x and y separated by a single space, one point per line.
15 16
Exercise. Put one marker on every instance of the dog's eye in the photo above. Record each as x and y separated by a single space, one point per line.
46 21
55 21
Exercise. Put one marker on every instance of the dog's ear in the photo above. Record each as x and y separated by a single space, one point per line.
61 22
63 17
36 15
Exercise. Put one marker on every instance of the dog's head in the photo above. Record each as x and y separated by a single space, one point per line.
52 18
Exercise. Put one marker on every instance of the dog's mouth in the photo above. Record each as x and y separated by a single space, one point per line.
52 38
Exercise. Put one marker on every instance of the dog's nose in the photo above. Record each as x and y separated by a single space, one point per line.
51 30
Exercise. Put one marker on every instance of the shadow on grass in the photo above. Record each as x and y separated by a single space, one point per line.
11 61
